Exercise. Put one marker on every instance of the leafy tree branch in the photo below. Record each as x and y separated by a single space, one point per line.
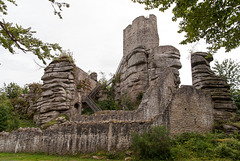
14 37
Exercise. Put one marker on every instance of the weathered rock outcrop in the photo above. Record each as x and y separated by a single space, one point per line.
64 87
143 58
58 90
203 78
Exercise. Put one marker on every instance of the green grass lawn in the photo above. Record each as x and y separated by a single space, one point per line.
43 157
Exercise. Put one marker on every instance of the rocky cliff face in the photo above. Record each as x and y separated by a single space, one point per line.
204 78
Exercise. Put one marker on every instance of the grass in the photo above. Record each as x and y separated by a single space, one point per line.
26 123
44 157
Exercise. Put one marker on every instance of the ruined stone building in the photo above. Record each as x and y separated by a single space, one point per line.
145 68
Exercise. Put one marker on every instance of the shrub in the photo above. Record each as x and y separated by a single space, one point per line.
155 144
3 117
108 104
7 120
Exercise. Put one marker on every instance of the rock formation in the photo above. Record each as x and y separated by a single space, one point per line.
143 58
203 78
64 88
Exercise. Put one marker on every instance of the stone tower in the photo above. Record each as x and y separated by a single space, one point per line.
142 32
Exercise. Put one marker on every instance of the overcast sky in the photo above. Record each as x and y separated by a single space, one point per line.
93 31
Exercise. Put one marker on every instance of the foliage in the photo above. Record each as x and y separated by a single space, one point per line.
26 123
230 70
103 79
236 98
84 84
4 112
65 55
7 120
25 89
87 111
50 123
108 104
187 146
12 90
155 144
215 21
209 146
14 37
128 104
13 107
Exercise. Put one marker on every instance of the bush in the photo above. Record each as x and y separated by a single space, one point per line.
7 121
108 104
3 117
155 144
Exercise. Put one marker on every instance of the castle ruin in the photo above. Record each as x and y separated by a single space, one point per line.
145 68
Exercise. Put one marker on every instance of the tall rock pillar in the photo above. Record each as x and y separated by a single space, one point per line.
204 78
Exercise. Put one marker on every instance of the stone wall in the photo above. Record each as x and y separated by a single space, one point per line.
184 109
72 138
191 110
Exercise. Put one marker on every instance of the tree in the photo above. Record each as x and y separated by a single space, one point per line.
7 121
230 70
12 90
216 21
14 37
